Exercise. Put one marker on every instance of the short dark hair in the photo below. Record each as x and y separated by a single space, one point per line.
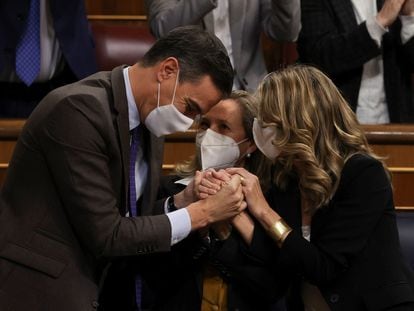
198 52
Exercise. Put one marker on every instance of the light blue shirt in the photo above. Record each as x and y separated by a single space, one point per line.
180 219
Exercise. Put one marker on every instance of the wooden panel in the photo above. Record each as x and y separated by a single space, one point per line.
396 142
276 54
403 189
115 7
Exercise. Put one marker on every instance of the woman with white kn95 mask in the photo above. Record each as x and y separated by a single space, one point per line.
202 273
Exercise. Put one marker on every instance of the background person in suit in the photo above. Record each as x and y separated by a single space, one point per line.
44 44
237 23
367 48
72 183
202 273
330 208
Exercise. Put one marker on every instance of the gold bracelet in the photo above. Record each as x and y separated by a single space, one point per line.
279 231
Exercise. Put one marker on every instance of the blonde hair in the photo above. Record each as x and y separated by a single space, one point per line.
317 132
257 162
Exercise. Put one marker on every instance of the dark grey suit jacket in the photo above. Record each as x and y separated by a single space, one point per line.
332 40
63 201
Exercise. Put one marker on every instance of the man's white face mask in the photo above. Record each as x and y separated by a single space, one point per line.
216 150
167 119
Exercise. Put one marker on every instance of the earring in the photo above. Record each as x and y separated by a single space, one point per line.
248 155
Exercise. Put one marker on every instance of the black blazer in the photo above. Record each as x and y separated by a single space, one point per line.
332 40
62 202
354 256
176 278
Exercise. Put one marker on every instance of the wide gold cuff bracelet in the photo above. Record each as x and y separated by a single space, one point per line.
279 231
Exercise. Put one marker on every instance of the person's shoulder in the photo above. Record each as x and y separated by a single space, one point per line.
360 160
360 165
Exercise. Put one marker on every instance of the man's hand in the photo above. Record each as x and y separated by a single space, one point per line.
224 204
209 182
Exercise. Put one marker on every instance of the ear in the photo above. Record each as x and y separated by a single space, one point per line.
168 68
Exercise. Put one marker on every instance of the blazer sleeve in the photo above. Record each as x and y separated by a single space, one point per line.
80 140
165 15
250 269
281 19
341 230
324 42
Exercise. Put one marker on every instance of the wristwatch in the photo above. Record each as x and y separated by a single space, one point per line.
170 204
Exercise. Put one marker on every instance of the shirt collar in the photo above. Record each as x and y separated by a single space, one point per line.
133 113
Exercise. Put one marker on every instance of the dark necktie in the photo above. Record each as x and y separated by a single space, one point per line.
133 152
28 49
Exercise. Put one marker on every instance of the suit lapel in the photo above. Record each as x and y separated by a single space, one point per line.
122 123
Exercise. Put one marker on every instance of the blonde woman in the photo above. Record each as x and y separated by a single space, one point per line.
330 208
204 272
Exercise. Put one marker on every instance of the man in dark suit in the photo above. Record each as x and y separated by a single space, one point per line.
367 48
64 212
59 38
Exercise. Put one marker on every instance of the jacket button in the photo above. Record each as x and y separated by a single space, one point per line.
334 298
95 304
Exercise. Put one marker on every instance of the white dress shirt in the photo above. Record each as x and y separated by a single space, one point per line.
222 30
372 106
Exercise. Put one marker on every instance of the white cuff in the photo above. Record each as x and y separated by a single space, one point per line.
407 29
375 30
180 225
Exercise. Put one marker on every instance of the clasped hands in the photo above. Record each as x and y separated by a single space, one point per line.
392 8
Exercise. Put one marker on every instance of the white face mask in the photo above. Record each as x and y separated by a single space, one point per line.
167 119
216 150
263 137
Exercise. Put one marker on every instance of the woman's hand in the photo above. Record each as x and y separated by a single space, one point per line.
225 204
209 182
408 8
256 202
389 12
244 224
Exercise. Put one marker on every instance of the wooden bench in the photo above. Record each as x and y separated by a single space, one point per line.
394 142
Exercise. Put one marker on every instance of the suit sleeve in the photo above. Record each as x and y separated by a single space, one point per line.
281 19
165 15
77 139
